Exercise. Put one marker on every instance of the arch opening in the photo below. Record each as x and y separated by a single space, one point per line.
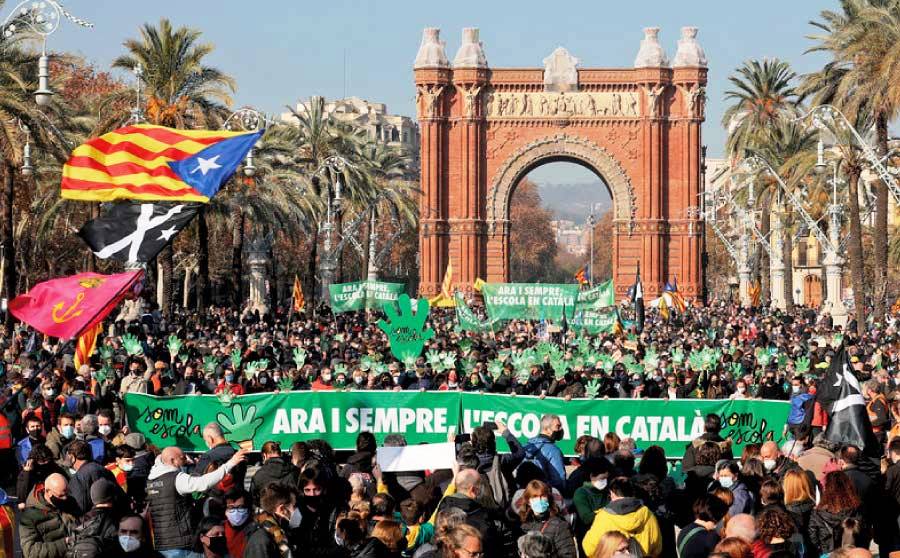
552 206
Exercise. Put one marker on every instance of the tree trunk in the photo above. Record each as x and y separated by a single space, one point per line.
186 293
6 233
765 267
167 267
202 259
237 248
855 253
787 260
881 228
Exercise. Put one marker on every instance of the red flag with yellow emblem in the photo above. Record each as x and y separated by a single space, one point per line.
67 306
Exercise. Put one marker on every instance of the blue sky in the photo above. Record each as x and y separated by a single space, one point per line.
283 50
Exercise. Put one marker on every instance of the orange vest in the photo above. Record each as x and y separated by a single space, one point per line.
872 414
6 439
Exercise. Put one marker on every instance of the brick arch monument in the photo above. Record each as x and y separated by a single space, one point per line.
483 129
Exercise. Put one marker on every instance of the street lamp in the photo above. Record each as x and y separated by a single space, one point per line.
250 120
42 18
328 261
591 224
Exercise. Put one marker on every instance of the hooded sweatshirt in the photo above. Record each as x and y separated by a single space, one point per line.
631 518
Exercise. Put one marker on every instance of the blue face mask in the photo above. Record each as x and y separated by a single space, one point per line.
539 505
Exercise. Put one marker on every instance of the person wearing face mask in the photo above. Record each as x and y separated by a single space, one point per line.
106 428
238 507
593 495
627 514
96 534
801 413
712 425
85 472
61 435
774 462
268 535
33 437
324 381
728 476
123 465
275 468
39 466
466 498
189 383
90 429
43 525
170 498
136 381
538 512
230 382
211 539
133 540
543 452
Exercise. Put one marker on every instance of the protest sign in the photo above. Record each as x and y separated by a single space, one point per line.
417 458
406 331
338 417
529 301
597 298
362 295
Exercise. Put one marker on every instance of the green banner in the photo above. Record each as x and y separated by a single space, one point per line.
337 417
599 297
363 295
468 321
252 420
669 424
595 321
529 301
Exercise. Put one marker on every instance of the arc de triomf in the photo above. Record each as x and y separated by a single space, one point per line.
483 129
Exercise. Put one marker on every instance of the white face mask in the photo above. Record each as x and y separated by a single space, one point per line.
296 518
726 482
769 464
741 389
127 467
104 429
599 484
129 543
326 377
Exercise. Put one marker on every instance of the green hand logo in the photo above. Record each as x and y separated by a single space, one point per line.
106 352
240 426
132 345
174 345
406 331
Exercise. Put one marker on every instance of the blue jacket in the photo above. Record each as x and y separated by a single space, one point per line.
544 453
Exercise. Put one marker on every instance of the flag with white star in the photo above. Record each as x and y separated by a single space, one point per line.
136 232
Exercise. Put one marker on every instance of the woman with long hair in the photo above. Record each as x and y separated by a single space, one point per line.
539 512
733 547
776 528
614 544
389 533
798 501
839 503
464 541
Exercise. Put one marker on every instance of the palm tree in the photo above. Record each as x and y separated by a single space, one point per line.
762 94
182 92
21 122
863 41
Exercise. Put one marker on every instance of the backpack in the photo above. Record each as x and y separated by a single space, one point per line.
498 483
79 404
797 414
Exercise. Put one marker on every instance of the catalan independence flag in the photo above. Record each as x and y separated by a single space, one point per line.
147 162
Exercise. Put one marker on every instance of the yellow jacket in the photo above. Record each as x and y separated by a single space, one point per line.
629 517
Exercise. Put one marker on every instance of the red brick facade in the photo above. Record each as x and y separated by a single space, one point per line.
483 129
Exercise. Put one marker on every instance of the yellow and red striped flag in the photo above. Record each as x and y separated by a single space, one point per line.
445 298
146 162
299 300
87 342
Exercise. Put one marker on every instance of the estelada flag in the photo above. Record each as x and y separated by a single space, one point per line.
146 162
67 306
445 298
299 301
86 344
580 277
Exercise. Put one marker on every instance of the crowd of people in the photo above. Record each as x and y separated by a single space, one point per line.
80 483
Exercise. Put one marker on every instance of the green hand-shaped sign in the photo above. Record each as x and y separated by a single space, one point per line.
240 427
209 364
406 331
132 345
174 345
299 357
235 359
106 352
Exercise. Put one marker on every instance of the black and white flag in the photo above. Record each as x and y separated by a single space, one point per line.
637 295
135 232
840 395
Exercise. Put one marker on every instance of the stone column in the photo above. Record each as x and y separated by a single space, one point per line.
776 265
466 211
257 262
432 76
744 269
834 304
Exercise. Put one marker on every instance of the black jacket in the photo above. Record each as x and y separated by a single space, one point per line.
217 456
80 485
690 451
369 548
275 469
557 530
96 535
826 529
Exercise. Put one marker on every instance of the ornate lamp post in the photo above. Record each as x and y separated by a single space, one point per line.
42 18
834 303
333 203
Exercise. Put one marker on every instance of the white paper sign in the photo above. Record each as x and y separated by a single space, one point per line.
417 458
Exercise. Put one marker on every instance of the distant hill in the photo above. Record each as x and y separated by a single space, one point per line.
573 201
